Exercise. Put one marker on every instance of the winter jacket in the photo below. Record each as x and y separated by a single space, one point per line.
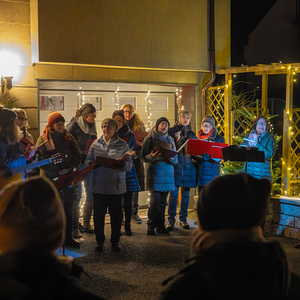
82 132
105 180
65 147
11 156
160 170
185 170
209 169
132 184
259 170
136 124
233 270
33 276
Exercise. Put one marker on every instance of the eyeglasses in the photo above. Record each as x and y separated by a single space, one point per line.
106 126
261 123
127 112
206 126
22 119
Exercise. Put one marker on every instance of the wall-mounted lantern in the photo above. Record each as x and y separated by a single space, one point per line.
6 84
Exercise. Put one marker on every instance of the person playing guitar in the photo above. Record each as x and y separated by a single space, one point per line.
11 152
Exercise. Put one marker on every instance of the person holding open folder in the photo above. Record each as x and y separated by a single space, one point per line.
108 184
185 171
159 174
209 168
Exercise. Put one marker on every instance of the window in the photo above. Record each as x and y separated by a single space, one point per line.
50 103
159 103
96 100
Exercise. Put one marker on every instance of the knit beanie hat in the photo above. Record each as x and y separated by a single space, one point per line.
113 123
53 118
31 216
87 109
118 113
233 202
209 119
162 119
7 117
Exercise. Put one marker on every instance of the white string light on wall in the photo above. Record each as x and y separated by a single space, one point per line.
148 110
116 97
179 99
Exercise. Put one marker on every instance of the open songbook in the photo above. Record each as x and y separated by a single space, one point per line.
109 162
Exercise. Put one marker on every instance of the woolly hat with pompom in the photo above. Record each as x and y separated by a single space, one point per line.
31 217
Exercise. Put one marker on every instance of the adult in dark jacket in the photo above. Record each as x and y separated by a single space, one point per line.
185 171
132 184
209 168
108 184
82 128
264 141
135 123
60 141
232 260
32 227
159 174
11 151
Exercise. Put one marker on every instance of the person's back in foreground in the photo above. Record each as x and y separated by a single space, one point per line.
232 259
32 226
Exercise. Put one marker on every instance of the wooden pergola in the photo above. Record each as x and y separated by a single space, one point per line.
265 71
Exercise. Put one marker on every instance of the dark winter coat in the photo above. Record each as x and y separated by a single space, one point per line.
132 184
259 170
185 170
34 276
71 151
233 270
80 135
160 170
209 169
136 124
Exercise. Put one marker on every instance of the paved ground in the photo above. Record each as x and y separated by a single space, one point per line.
145 261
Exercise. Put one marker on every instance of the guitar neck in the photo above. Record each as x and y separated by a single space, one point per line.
31 166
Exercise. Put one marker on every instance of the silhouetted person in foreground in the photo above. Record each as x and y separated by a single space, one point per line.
32 227
232 260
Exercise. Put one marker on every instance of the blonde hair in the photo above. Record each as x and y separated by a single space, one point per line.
184 112
128 105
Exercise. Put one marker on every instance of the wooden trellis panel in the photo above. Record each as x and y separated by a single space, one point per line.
214 106
295 146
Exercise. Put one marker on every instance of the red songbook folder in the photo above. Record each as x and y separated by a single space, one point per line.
198 147
167 153
88 145
126 139
109 162
140 135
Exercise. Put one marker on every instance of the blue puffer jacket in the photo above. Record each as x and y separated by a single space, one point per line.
132 183
209 169
160 170
105 180
259 170
185 170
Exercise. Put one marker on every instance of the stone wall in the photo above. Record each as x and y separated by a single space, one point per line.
284 217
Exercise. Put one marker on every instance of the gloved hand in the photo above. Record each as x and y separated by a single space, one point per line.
206 156
120 165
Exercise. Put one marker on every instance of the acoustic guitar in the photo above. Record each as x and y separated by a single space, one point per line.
15 174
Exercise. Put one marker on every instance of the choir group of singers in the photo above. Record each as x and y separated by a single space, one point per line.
116 188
